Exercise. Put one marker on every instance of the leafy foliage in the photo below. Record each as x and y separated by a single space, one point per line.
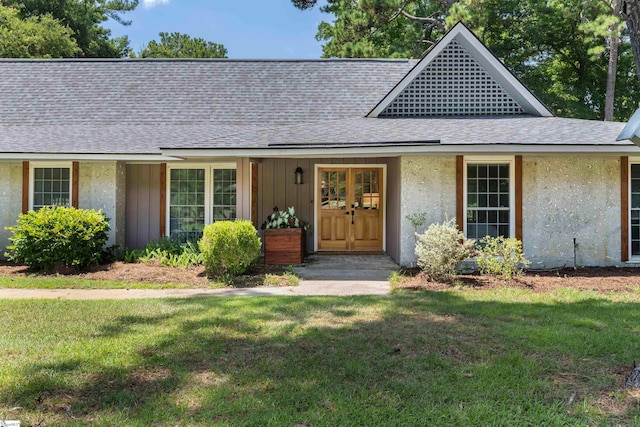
567 69
376 29
440 249
499 256
229 247
58 236
34 37
284 219
83 18
171 253
417 220
176 45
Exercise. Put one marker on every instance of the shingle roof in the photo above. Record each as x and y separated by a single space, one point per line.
143 106
152 92
502 130
461 131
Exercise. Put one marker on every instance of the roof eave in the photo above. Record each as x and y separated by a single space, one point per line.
631 131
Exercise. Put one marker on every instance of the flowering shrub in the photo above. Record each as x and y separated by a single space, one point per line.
440 249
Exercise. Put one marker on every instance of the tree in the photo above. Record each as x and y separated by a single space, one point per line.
34 37
381 28
84 17
558 48
631 15
176 45
567 69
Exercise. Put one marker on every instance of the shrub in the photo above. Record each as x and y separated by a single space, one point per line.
172 253
229 247
440 249
498 256
58 236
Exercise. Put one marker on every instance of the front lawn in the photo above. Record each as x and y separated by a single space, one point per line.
460 357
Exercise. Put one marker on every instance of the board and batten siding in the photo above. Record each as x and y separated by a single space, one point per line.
144 200
276 187
142 204
243 188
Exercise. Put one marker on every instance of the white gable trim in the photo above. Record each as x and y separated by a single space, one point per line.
494 67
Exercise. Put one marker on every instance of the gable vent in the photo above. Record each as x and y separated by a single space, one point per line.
453 84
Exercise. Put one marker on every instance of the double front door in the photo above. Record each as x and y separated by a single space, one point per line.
351 209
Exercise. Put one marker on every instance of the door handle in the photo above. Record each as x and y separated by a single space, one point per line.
353 212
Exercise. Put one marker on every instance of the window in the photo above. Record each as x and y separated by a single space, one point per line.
488 199
50 186
635 209
224 194
187 204
199 195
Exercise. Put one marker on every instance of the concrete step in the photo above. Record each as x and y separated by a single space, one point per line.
347 267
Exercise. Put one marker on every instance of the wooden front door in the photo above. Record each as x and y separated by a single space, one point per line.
350 211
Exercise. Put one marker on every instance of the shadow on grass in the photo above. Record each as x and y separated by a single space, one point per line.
428 358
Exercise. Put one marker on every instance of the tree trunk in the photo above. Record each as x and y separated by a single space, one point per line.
631 14
614 41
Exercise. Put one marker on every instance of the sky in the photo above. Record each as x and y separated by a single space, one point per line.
247 28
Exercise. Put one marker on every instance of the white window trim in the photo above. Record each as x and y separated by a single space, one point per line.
208 188
38 165
511 160
634 259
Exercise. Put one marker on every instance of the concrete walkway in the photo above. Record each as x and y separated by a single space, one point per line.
306 287
337 275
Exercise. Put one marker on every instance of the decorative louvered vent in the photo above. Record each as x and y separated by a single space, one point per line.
453 84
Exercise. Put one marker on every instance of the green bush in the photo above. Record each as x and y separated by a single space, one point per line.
58 237
498 256
229 247
440 249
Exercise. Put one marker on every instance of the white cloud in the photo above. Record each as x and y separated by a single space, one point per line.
147 4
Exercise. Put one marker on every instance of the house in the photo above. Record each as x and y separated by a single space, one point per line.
164 147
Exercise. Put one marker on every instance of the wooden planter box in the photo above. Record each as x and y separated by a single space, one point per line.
284 246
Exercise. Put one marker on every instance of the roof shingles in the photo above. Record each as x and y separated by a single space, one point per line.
143 106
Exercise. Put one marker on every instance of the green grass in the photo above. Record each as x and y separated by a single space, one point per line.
464 357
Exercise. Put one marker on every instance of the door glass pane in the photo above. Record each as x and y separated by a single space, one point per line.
333 188
371 195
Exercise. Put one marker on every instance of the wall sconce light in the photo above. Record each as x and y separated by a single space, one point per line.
298 175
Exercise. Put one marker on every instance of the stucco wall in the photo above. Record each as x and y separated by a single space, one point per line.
103 186
428 185
10 200
393 206
564 197
567 197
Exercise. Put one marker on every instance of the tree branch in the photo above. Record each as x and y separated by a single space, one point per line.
427 20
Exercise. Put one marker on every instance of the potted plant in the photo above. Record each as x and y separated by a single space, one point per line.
284 238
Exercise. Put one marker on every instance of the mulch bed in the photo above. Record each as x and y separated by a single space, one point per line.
599 279
145 272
